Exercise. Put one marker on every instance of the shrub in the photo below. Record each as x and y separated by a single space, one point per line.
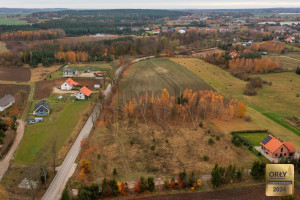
152 147
258 170
156 153
200 124
218 137
210 141
154 168
151 184
248 118
208 131
250 148
131 142
99 156
65 195
115 172
259 154
167 141
166 184
205 157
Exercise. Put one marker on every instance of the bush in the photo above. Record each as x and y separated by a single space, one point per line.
200 124
205 157
208 131
154 169
151 184
237 142
210 141
218 137
152 147
259 154
132 142
258 170
167 141
166 184
298 70
65 195
250 148
99 156
115 172
156 153
248 118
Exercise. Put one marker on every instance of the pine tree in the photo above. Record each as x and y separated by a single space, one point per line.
216 176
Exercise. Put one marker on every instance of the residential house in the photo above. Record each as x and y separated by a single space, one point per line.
233 54
156 31
68 84
182 31
290 39
6 101
41 109
276 149
70 71
83 93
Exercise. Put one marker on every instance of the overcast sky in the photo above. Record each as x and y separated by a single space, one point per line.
158 4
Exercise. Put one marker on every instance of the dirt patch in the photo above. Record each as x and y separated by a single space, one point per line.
39 73
248 193
13 89
21 74
44 88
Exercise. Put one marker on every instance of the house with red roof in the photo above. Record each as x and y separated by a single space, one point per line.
233 54
83 93
68 84
276 148
290 39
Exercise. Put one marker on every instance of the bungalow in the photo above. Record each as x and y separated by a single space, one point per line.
70 71
41 109
290 39
6 101
276 149
68 84
83 93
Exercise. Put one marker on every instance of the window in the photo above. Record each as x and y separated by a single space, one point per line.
275 154
281 149
285 154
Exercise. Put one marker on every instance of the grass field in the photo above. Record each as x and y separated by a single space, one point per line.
12 21
156 74
279 99
59 124
287 60
254 138
93 66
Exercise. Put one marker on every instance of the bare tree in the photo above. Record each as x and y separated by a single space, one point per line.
31 176
43 167
53 151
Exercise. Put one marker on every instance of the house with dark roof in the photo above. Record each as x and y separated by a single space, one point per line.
6 101
276 148
70 71
41 109
83 93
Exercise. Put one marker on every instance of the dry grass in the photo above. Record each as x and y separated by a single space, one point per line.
2 46
41 72
184 150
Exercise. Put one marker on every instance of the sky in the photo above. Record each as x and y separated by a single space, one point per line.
150 4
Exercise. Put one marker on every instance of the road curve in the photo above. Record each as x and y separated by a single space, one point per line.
58 183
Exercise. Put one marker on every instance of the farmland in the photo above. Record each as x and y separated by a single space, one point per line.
154 75
20 74
279 94
12 21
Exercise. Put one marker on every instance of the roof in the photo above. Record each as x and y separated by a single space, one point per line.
290 146
271 143
233 53
42 103
86 91
7 99
70 82
70 69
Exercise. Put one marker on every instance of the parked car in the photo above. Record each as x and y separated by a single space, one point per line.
31 121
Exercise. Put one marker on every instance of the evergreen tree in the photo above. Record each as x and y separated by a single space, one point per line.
216 176
65 195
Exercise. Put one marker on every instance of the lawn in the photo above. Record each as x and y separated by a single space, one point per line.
287 60
12 21
156 74
279 99
96 66
254 138
59 124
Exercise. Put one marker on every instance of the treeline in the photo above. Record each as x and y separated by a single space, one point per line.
203 104
269 46
263 65
72 56
33 35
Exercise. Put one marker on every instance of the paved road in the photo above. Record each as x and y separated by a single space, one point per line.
4 164
57 185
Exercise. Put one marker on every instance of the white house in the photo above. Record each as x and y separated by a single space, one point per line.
6 101
68 84
83 93
70 71
181 31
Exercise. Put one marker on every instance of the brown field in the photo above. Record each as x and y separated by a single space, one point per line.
128 149
20 74
248 193
41 72
204 53
2 46
13 89
44 88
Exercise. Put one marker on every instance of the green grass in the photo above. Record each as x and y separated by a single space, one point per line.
156 74
55 75
59 124
254 138
93 66
291 47
12 21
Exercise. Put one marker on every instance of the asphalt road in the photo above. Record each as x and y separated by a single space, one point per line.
57 185
4 164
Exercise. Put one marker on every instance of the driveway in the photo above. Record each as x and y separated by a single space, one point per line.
4 164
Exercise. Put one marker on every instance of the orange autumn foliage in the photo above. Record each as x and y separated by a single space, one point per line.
270 46
241 110
72 57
